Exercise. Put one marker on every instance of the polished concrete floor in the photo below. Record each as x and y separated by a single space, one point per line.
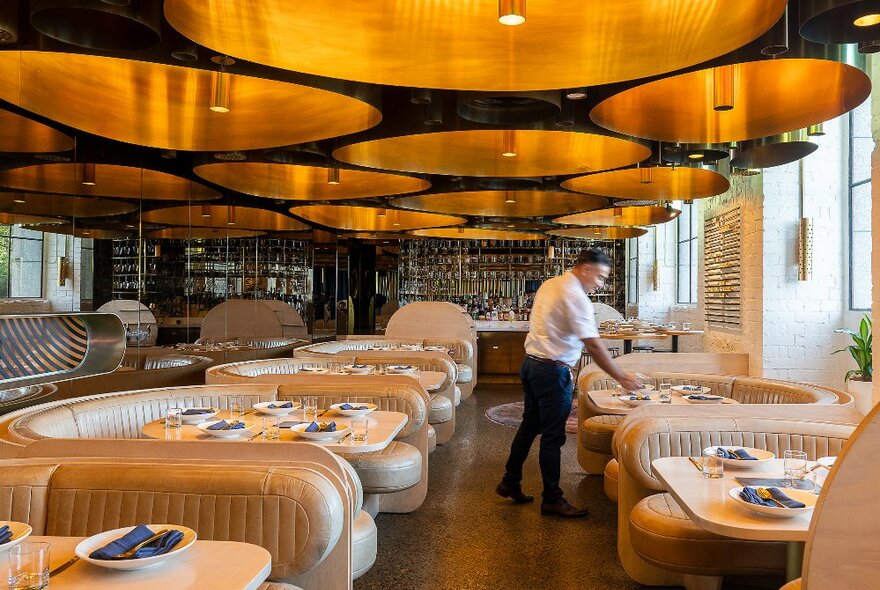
464 537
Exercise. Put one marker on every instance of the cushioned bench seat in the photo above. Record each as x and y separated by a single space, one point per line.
441 409
597 433
611 477
395 468
465 373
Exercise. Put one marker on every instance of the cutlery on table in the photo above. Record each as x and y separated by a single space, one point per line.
64 566
697 464
256 435
132 551
765 494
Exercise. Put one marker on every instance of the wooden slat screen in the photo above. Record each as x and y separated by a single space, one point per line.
722 276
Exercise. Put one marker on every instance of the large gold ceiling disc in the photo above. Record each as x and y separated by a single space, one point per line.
503 203
461 45
165 106
479 153
769 97
20 134
83 232
353 218
223 216
621 216
111 180
665 183
22 218
599 233
307 183
474 233
201 233
63 205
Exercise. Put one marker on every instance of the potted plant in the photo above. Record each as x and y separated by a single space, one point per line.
859 380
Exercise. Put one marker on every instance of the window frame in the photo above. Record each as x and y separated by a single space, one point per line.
851 186
9 237
691 242
632 271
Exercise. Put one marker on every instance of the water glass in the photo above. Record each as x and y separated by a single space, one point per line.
174 419
236 407
713 463
686 326
665 392
359 427
29 566
794 464
310 408
271 428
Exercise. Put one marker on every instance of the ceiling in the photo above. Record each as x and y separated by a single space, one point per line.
349 116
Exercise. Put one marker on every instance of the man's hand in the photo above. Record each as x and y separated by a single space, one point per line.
630 382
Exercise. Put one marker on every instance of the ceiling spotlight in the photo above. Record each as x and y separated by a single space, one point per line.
576 93
867 20
646 174
816 130
511 12
19 199
509 197
510 225
723 88
508 143
380 213
219 92
87 232
420 96
206 211
333 175
230 215
129 226
696 156
88 175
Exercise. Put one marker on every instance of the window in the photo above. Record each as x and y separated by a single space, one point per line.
21 262
860 147
632 270
687 255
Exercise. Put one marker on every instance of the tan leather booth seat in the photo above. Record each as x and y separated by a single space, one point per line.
432 439
611 475
655 544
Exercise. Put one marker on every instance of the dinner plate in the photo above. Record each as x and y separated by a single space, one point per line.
637 402
85 547
203 426
691 389
20 532
436 349
826 461
263 408
761 457
354 413
314 370
299 430
807 497
713 399
400 369
358 369
196 418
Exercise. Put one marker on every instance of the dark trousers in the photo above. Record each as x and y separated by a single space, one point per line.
548 390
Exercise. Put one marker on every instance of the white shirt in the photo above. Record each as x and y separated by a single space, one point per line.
562 316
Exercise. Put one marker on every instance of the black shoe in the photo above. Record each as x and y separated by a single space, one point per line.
515 493
562 508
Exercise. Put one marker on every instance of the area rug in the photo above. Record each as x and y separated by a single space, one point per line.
511 415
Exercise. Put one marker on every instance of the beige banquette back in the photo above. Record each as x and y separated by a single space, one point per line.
462 351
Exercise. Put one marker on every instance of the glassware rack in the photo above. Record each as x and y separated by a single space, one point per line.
483 274
179 278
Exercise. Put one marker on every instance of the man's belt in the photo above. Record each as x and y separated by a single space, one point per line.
548 361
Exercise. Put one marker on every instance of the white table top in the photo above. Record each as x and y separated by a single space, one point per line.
382 429
501 326
218 565
707 503
605 400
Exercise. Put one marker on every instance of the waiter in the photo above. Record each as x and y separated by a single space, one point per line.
562 324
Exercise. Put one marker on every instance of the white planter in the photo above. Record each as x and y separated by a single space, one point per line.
862 393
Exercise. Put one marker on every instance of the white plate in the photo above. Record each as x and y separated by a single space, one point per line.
807 497
299 430
314 370
760 455
358 369
436 349
263 408
85 547
195 418
715 399
354 413
400 369
20 532
826 461
680 389
637 402
203 426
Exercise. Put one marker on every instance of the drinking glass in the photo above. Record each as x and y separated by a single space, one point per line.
359 427
310 408
174 418
29 566
794 464
665 392
686 326
713 463
271 427
236 407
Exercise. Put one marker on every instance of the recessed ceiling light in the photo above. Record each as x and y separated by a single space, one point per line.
576 94
511 12
696 156
867 20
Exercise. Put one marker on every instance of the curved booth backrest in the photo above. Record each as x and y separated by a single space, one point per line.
140 323
605 312
433 320
239 318
23 397
710 363
461 350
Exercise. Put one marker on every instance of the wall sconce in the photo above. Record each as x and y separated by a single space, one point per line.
63 270
805 249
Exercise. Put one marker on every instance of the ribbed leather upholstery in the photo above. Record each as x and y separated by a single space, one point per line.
465 373
166 362
663 535
24 494
597 432
441 409
396 467
364 533
432 439
610 479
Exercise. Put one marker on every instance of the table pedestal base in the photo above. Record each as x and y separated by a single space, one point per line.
692 582
794 559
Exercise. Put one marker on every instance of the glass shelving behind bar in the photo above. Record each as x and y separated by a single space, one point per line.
487 275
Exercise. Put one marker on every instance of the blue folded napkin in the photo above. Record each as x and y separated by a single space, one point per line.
691 387
139 534
351 407
751 495
196 411
224 425
280 406
315 427
738 454
5 534
702 397
641 398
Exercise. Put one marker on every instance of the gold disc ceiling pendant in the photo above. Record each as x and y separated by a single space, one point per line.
202 233
63 205
622 216
768 97
353 218
656 183
110 180
461 45
224 216
168 107
503 203
479 153
473 233
20 134
599 233
307 183
83 232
